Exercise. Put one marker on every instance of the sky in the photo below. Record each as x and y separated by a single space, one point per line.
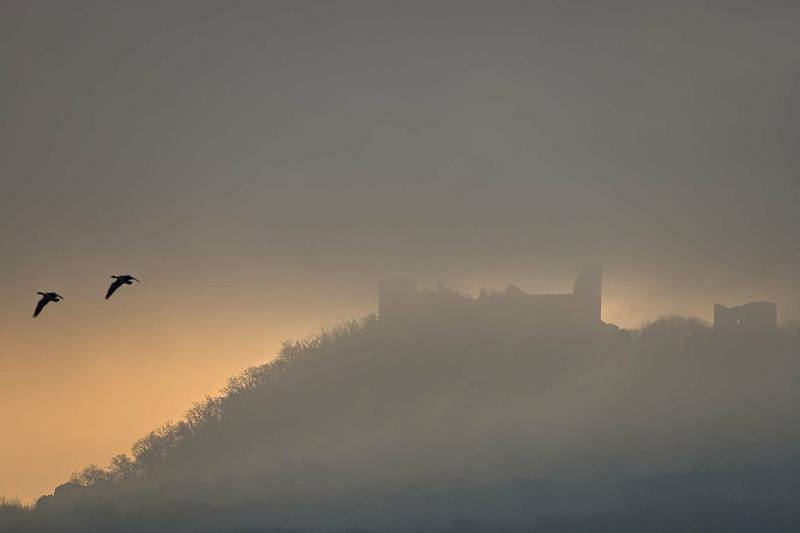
261 165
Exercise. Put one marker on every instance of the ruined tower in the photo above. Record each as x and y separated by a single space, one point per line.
588 291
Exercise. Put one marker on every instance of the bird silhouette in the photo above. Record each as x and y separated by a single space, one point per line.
46 298
118 282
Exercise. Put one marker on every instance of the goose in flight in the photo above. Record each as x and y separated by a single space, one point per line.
118 282
46 298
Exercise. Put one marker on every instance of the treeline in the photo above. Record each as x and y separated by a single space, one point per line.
426 428
673 335
150 453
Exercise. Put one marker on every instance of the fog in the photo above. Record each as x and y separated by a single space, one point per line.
262 166
425 421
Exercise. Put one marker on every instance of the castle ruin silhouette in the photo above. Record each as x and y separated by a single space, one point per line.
401 302
755 317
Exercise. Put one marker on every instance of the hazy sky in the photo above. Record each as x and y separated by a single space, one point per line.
259 166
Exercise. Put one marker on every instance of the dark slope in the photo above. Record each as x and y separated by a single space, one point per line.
422 426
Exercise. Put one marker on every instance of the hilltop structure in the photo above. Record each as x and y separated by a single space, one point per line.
400 301
755 317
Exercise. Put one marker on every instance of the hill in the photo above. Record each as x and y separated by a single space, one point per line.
442 426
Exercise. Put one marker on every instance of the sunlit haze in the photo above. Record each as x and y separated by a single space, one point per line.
262 166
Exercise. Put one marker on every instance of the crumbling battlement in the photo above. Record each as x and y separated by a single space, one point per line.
400 301
755 317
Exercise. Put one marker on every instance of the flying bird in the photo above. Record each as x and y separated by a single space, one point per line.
46 298
118 282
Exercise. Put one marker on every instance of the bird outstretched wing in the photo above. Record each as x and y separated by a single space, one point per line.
39 306
113 287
